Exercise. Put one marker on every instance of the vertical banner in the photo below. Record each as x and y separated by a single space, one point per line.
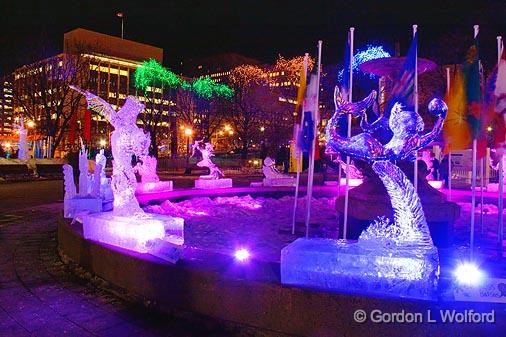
87 126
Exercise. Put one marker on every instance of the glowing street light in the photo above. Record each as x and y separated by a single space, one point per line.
30 124
262 129
489 129
188 132
102 142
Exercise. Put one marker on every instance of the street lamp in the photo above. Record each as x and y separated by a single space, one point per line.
30 124
188 132
121 15
262 129
102 142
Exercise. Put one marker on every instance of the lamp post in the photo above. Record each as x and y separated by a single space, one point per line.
187 132
121 16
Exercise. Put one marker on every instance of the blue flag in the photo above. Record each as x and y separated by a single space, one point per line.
404 87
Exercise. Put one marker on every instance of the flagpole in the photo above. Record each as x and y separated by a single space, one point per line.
415 173
313 148
482 172
500 203
298 153
473 177
350 99
448 83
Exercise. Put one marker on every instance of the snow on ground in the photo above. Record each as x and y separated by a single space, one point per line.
263 225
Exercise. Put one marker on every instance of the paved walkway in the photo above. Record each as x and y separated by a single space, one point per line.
40 297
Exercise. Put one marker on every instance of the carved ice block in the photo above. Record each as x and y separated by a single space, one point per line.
335 265
288 181
208 184
75 205
154 187
134 233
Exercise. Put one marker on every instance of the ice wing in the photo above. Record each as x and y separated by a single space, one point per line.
96 103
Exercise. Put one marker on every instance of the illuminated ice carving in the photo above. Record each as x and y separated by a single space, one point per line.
396 258
127 226
150 182
273 177
147 169
207 151
23 142
84 180
68 180
352 170
214 178
74 204
127 139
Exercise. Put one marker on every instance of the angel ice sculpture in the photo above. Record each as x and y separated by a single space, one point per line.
126 140
207 151
406 126
409 227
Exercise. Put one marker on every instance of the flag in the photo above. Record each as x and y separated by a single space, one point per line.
404 88
301 90
456 129
496 105
87 125
310 116
472 80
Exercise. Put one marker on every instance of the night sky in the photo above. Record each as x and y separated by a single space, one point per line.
259 29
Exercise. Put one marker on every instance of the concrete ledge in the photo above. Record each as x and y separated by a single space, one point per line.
250 294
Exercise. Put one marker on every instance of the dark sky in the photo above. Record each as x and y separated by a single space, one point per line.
260 29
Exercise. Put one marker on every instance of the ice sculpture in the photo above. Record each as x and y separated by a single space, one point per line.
391 257
74 204
150 182
214 178
494 187
272 175
127 226
23 142
84 180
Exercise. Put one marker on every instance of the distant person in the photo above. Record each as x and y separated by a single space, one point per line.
435 166
443 171
283 158
263 150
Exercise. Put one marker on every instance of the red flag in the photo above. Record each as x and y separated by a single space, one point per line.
87 125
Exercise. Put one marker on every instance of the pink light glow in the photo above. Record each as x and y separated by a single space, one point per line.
437 184
352 182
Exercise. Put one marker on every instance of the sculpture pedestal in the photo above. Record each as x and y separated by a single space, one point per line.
154 187
140 234
351 267
208 184
73 206
288 181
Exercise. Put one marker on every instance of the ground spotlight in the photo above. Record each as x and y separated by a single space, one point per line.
241 254
468 273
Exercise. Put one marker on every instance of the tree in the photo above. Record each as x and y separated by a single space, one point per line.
42 92
157 84
253 103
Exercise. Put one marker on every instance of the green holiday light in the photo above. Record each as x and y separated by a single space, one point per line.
207 88
152 73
